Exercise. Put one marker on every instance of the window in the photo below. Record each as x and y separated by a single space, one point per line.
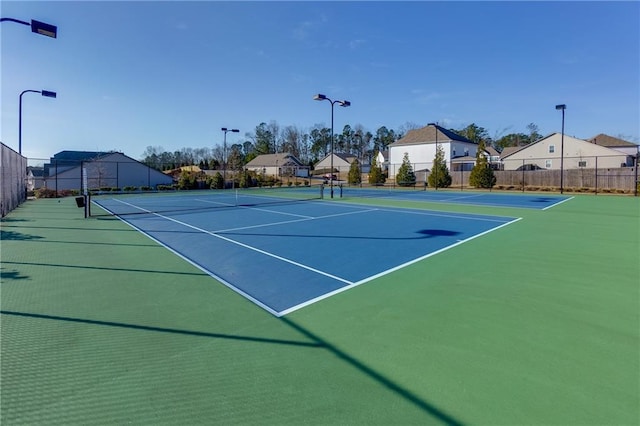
582 163
548 163
552 148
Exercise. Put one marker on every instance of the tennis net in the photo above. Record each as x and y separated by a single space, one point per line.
121 204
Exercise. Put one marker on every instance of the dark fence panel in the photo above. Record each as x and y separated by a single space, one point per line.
14 177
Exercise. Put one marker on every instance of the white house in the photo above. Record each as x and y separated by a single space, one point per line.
283 164
35 178
111 169
341 163
420 145
577 153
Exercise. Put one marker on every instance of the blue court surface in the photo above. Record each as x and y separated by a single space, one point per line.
517 200
284 256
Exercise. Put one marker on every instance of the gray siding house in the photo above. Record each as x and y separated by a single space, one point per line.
102 169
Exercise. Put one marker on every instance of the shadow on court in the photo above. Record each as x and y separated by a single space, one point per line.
311 340
423 234
98 268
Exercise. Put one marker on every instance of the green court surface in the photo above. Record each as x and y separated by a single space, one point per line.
537 323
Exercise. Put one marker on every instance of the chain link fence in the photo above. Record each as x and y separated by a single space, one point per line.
584 174
14 178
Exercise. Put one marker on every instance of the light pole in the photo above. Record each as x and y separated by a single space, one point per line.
321 97
562 107
224 155
435 164
37 27
45 93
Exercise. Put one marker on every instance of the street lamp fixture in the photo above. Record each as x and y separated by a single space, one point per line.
37 27
435 167
45 93
321 97
224 153
561 107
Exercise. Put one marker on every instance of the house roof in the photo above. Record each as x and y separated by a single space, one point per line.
610 141
36 171
77 155
508 150
429 134
492 151
273 160
465 159
349 158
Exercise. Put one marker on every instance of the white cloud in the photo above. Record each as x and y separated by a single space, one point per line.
354 44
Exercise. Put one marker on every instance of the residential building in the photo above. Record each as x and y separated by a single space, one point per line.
341 163
420 146
545 153
73 170
616 144
278 165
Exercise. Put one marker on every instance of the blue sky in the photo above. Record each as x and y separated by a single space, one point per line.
171 74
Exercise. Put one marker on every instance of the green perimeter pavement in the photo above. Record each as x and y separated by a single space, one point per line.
535 323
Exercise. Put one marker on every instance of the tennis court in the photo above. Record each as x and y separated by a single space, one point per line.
311 249
534 322
516 200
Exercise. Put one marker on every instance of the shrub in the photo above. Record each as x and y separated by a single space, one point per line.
216 182
354 177
45 193
406 176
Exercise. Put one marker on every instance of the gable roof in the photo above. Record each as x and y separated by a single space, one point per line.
491 151
610 141
273 160
429 134
76 156
349 158
568 139
508 150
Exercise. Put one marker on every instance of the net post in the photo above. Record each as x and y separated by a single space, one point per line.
84 189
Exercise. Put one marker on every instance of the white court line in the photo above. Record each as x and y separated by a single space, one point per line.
558 203
469 216
266 253
463 197
388 271
200 267
291 221
256 208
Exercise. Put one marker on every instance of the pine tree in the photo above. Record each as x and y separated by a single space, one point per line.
355 176
439 176
482 175
217 182
406 176
376 177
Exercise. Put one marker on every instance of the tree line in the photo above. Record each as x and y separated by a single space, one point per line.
313 145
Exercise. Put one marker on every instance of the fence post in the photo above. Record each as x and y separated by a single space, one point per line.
635 181
56 164
523 175
596 183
